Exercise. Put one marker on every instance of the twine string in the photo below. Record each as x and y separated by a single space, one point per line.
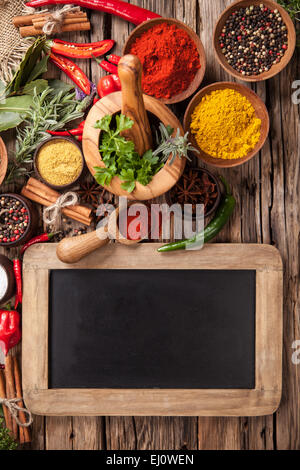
65 200
54 20
13 408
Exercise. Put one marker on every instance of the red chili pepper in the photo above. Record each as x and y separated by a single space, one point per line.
79 138
73 132
81 51
108 67
10 331
81 124
106 86
45 237
117 81
73 71
113 58
96 100
128 12
18 277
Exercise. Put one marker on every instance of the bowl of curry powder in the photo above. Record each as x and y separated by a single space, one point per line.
59 162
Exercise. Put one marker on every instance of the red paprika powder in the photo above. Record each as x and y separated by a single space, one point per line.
170 60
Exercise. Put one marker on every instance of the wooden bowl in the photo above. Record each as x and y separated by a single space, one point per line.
3 160
172 200
164 180
33 221
261 113
201 72
62 187
275 69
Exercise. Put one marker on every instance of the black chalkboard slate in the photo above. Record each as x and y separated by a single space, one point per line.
152 329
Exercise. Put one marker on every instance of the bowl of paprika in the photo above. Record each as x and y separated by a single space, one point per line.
172 56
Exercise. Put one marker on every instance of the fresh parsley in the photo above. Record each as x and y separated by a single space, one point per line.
120 157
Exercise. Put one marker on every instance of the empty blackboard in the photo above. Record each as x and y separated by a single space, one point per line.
166 329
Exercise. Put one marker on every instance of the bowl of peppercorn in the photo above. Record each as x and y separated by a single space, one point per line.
18 220
254 40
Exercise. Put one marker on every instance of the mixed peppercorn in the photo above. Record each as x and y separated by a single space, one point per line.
14 219
254 39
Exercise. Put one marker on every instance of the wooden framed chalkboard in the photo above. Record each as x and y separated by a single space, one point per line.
129 331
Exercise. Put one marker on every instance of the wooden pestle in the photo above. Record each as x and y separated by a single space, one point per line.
130 73
72 250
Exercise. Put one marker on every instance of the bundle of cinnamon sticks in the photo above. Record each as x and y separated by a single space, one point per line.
10 387
42 194
32 25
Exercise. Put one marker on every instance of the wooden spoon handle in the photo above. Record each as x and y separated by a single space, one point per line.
130 73
72 250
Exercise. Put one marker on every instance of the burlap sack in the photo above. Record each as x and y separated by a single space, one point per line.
12 46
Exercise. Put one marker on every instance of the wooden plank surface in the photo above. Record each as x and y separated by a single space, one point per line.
267 191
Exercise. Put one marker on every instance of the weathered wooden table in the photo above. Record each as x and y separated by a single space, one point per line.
267 191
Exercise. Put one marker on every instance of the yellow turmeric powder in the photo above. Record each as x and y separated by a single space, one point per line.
225 125
59 162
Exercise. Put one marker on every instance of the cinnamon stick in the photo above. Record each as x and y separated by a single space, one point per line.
24 431
38 23
45 202
10 389
26 31
40 188
7 415
27 20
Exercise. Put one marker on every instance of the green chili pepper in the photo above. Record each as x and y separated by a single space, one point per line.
223 213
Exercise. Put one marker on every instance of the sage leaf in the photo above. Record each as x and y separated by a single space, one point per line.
9 120
16 104
38 85
58 85
13 111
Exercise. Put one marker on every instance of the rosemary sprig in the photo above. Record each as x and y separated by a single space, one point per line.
174 146
51 110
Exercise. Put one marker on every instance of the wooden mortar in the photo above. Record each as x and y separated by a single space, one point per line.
137 107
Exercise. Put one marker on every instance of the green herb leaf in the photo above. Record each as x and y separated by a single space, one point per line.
120 157
27 67
6 441
49 110
40 68
38 85
104 123
13 111
59 85
128 186
123 123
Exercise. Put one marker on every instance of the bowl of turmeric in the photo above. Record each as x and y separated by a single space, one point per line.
228 124
59 162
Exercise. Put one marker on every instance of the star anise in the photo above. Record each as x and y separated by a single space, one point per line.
195 187
90 193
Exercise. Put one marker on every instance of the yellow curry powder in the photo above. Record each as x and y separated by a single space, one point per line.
59 162
225 125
